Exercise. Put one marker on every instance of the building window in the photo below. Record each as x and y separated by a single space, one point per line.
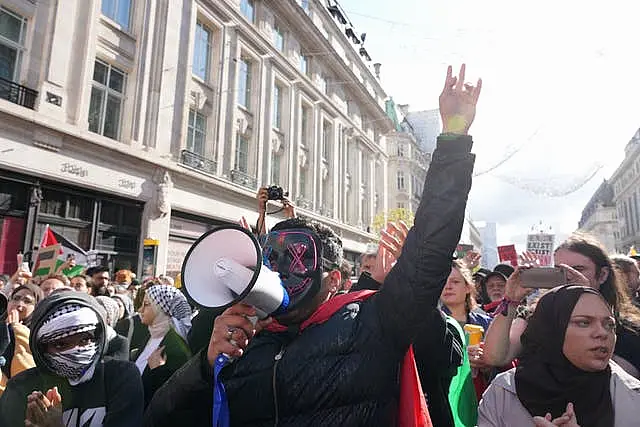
326 140
400 205
304 126
275 168
303 182
197 132
400 150
322 83
304 4
118 11
400 177
244 83
242 154
278 37
276 115
12 31
304 64
247 7
107 98
202 51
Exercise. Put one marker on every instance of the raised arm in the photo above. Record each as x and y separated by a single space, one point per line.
413 286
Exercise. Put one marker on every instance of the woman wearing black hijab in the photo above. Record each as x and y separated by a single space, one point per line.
566 358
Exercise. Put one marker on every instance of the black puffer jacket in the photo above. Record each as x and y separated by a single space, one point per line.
343 372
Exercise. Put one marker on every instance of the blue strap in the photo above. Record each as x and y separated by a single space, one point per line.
221 416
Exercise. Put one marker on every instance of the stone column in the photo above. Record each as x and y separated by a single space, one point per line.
156 218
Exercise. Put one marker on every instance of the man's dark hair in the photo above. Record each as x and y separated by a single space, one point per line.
331 243
97 270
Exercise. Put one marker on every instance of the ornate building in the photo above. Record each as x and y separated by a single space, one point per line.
130 121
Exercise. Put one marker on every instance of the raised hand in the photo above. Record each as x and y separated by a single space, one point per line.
263 198
288 208
458 102
12 316
514 291
389 250
472 259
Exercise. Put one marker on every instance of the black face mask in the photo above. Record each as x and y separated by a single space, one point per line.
296 254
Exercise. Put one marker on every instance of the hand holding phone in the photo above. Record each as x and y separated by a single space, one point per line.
543 277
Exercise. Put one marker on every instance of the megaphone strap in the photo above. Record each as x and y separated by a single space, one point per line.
221 416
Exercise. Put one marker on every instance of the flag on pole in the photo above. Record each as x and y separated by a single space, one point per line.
54 251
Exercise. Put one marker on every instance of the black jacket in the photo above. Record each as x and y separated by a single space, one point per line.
177 354
114 392
343 372
438 352
117 349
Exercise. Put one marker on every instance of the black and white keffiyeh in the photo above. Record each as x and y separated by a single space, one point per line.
174 304
78 363
66 320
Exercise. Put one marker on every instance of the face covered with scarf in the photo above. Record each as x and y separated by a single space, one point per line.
567 346
69 340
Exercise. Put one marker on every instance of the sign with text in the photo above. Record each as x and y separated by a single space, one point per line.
542 245
508 254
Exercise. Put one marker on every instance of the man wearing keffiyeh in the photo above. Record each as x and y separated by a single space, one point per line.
73 386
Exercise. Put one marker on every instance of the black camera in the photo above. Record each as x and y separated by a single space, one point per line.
276 193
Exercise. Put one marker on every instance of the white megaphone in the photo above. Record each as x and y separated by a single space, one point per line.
225 267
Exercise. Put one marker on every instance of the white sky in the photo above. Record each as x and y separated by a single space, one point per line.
561 82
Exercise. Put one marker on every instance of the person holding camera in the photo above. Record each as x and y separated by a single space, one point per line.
273 193
333 361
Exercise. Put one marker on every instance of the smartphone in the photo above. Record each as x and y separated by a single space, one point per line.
543 277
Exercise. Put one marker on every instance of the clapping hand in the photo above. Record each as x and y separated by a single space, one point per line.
568 419
44 410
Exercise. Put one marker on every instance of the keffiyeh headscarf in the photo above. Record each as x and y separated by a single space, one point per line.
76 364
128 304
112 309
173 304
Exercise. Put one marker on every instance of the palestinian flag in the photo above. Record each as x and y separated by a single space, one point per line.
54 251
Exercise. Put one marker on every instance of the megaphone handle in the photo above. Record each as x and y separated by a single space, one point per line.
224 358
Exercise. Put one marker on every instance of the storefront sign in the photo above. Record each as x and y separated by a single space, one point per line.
73 169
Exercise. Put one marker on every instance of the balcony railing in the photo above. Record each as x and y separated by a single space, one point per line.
196 161
304 203
326 211
21 95
243 179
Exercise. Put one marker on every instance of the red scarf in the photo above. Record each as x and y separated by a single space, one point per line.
412 407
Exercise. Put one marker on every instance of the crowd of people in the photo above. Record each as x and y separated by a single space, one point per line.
420 339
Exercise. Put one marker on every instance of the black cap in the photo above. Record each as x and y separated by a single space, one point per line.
505 269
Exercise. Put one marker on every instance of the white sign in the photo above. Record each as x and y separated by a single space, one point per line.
542 245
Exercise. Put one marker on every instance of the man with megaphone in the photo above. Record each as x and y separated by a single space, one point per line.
322 361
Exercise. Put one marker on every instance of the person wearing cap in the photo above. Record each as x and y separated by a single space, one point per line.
478 278
70 384
332 360
494 286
